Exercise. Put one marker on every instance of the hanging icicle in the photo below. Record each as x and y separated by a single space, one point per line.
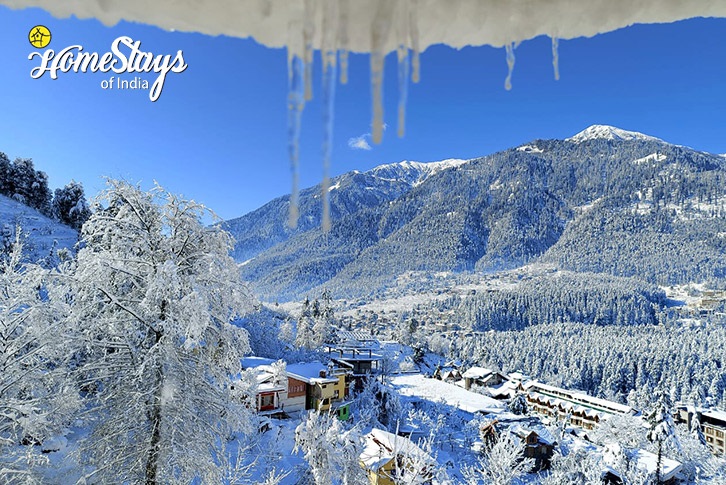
308 36
329 51
403 64
343 8
379 34
295 106
510 65
413 26
556 57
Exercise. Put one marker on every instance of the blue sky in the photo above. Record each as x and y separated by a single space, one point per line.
218 132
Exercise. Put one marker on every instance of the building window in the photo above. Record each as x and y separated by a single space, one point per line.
267 401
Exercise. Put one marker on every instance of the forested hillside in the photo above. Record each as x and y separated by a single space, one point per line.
45 221
628 206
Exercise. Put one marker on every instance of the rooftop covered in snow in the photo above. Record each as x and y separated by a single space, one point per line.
381 446
311 372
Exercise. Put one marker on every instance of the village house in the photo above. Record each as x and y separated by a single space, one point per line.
312 385
386 457
362 362
713 425
327 387
537 442
482 377
449 372
644 461
581 409
272 385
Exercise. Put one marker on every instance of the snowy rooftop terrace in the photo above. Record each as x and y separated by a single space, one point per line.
416 385
353 354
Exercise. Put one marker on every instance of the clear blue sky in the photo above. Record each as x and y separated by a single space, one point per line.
218 132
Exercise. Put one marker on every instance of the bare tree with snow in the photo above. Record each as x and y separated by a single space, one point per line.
331 451
501 465
154 292
36 398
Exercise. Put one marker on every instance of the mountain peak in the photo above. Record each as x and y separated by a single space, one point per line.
413 172
607 132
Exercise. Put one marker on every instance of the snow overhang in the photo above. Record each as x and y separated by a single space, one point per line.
456 23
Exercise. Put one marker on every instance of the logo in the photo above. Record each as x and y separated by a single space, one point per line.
125 57
39 36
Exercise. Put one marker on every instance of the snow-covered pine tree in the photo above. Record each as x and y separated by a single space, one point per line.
518 404
154 293
662 431
304 336
69 205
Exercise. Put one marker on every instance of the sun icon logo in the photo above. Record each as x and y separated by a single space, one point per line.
39 36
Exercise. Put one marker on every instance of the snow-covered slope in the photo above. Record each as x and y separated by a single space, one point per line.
350 193
499 212
606 132
414 173
41 234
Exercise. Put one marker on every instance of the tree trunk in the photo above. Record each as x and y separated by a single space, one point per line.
152 461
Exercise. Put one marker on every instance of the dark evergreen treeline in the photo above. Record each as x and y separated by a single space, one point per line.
592 299
20 181
622 362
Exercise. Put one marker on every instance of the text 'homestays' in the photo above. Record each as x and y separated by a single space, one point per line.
125 57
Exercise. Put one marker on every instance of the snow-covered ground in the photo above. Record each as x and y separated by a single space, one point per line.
416 385
41 233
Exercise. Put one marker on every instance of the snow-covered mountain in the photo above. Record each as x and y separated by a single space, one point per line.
606 132
349 193
613 202
42 235
413 173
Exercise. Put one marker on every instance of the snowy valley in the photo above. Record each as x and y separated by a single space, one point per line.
551 314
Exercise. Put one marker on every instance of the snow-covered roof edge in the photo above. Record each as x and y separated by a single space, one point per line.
456 23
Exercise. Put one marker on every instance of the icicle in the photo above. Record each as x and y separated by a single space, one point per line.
329 75
295 105
343 66
343 8
413 26
377 93
329 49
510 65
556 57
308 37
379 34
403 64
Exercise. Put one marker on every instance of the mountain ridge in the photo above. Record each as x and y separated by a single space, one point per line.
508 209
